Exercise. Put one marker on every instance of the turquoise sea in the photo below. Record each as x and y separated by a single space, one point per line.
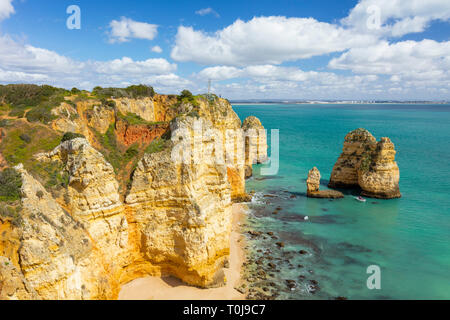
408 238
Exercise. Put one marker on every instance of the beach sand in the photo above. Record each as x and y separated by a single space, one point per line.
169 288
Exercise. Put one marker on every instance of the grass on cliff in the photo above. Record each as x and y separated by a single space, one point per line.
31 101
134 119
10 185
23 141
10 195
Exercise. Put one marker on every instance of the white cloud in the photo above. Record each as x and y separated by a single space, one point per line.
127 65
126 29
265 40
28 64
206 11
22 57
397 17
220 73
7 76
426 59
157 49
6 9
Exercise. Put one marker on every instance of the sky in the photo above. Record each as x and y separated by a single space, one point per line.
265 49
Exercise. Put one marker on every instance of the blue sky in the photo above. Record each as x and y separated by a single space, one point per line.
368 49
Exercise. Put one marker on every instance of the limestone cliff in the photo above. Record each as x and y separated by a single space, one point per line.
183 208
367 164
148 191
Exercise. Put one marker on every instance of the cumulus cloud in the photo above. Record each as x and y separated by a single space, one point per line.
28 64
206 11
157 49
397 17
16 56
125 29
127 65
265 40
6 9
426 59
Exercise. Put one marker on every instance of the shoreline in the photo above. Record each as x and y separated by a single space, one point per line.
170 288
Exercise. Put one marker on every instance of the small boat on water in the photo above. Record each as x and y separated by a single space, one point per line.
360 199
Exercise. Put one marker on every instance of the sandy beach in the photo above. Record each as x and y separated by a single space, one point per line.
169 288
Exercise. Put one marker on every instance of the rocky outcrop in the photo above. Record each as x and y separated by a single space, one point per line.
255 143
313 186
313 181
152 109
345 172
57 255
367 164
13 285
182 205
379 174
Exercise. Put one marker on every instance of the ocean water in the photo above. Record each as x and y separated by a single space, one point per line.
408 238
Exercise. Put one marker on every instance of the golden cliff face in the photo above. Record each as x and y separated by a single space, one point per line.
367 164
345 171
174 218
183 208
379 176
255 143
58 257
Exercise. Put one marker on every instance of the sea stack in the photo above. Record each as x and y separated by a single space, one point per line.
367 164
379 174
313 185
255 143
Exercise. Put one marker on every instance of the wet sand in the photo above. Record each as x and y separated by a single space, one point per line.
169 288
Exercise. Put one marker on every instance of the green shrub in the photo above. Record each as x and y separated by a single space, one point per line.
18 113
70 136
157 145
187 97
75 91
186 94
24 137
132 152
10 185
12 212
27 95
40 194
140 91
40 114
4 123
135 91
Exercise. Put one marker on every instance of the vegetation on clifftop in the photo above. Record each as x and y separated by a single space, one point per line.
10 184
133 92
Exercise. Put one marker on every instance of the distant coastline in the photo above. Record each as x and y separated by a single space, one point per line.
271 102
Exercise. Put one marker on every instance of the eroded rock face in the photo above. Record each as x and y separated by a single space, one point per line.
174 219
13 285
57 258
367 164
313 181
345 171
313 186
144 134
183 209
379 175
255 143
